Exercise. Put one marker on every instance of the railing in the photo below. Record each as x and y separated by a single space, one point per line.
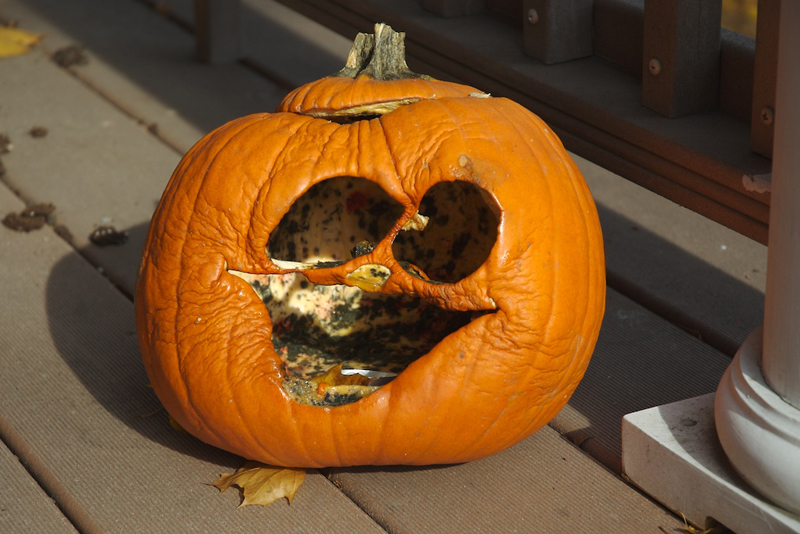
656 92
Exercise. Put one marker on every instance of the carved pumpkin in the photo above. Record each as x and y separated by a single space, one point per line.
389 269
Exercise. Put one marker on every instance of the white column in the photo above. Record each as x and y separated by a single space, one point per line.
781 361
757 407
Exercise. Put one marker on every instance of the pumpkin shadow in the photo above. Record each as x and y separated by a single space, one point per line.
334 472
93 328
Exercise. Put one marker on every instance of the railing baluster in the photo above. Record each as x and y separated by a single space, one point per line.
557 30
217 29
681 56
764 75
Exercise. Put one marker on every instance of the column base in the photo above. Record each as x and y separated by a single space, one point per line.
759 431
672 453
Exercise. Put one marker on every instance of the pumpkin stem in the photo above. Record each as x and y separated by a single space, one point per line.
381 56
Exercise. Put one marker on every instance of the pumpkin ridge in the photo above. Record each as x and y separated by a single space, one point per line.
480 437
180 355
527 142
432 364
259 253
185 357
233 390
298 440
386 147
202 181
594 286
583 199
431 143
338 446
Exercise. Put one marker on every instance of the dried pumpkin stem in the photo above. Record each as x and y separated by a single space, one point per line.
381 56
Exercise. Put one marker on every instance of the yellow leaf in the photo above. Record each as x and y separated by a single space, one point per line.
14 41
262 484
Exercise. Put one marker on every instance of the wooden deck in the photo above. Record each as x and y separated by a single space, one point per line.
80 447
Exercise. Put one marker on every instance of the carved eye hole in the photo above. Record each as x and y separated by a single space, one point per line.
329 220
460 234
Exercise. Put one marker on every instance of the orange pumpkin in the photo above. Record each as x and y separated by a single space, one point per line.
437 246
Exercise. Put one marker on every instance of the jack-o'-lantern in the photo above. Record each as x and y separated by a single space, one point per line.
389 269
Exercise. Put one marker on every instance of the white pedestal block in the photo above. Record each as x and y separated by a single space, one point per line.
672 453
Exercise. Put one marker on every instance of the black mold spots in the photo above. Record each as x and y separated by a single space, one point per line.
461 232
324 223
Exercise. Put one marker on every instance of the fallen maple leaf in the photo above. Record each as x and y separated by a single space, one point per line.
14 41
262 484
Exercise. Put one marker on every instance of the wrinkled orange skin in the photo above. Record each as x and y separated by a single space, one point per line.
205 335
330 94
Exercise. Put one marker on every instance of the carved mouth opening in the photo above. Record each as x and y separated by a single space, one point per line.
339 343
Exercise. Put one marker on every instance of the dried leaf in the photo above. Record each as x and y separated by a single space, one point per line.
689 529
14 42
262 484
174 424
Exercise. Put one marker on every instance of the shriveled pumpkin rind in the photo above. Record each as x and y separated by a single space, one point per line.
205 335
334 95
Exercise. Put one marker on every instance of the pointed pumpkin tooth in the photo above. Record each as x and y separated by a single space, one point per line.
369 277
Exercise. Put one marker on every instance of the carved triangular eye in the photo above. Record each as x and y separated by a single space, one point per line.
324 225
459 235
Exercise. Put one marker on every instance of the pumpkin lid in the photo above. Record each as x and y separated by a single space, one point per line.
374 81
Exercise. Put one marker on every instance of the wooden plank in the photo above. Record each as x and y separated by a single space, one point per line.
24 506
540 485
736 74
681 53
